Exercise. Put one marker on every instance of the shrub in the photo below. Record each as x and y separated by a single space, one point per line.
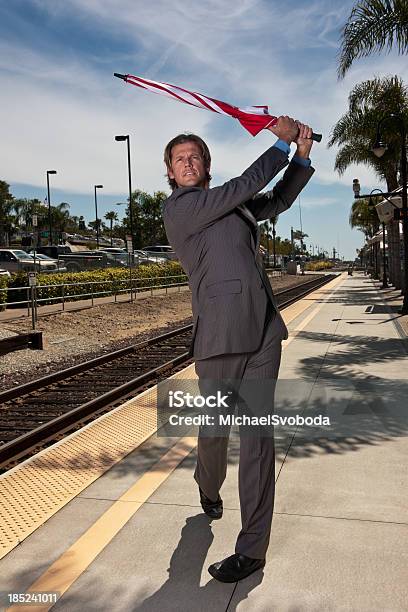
315 266
99 282
3 294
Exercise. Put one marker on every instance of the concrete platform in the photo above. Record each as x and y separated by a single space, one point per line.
340 526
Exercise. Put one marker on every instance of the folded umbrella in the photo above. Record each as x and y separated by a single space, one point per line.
252 118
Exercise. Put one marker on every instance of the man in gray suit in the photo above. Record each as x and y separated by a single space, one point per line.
238 330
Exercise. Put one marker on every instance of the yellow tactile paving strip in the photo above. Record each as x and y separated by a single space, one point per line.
74 561
34 491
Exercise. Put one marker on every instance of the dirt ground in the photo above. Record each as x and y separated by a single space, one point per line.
70 337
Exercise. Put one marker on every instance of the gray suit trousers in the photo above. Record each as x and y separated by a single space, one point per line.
257 453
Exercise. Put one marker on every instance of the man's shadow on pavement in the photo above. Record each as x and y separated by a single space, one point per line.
182 591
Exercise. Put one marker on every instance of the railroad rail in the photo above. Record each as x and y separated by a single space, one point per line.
41 411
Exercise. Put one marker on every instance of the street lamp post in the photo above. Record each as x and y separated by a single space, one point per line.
49 202
379 149
356 189
96 214
121 139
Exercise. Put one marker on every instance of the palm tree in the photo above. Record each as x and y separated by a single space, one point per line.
147 218
60 218
364 217
23 210
355 131
6 209
371 26
111 216
355 134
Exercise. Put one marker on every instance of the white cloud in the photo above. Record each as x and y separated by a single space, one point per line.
317 202
62 111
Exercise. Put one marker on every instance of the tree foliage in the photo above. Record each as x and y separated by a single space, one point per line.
363 216
372 26
355 132
148 223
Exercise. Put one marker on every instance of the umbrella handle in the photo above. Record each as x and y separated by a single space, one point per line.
316 137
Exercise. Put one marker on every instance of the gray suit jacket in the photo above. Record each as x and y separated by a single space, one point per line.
218 251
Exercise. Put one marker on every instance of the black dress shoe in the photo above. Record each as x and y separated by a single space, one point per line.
212 509
234 568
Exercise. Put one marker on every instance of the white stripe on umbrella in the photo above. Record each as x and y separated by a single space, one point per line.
178 93
253 118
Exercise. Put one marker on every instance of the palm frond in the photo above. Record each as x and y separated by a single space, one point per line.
355 132
372 26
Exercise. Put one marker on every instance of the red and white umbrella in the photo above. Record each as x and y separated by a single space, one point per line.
252 118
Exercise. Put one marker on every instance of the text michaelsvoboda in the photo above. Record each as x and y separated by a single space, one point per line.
232 419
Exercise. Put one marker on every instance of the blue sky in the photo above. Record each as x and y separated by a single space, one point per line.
61 106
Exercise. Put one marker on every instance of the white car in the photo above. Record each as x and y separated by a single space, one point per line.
60 267
17 260
160 250
144 257
113 250
4 272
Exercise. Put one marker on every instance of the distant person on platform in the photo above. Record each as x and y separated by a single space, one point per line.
238 329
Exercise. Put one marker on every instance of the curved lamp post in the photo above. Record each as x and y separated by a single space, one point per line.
356 189
379 149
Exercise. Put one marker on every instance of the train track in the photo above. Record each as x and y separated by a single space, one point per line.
39 412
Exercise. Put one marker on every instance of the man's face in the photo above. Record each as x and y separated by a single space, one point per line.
187 165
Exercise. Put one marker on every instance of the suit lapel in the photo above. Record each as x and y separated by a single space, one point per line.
253 223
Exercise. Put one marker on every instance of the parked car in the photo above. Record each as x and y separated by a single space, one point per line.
40 256
74 261
140 256
143 257
107 260
162 250
59 263
4 272
121 258
113 250
16 260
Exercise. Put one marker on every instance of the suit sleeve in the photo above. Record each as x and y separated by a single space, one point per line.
196 209
281 197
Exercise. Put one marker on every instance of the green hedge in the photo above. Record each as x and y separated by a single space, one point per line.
143 276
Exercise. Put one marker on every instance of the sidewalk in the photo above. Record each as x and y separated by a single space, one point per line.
340 524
